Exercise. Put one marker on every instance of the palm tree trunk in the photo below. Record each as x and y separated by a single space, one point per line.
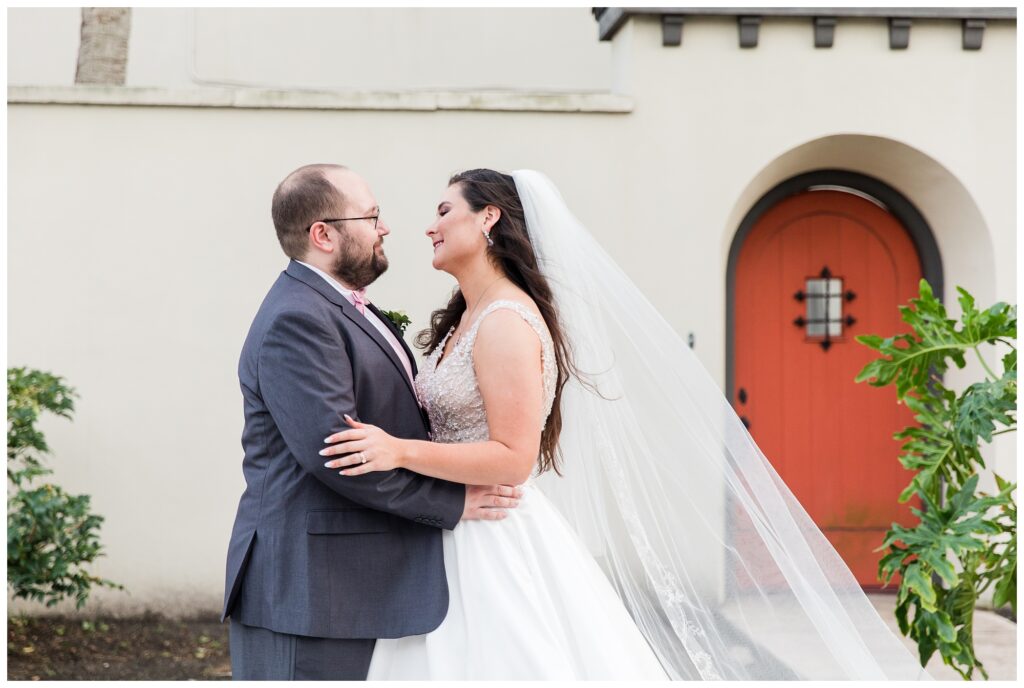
103 52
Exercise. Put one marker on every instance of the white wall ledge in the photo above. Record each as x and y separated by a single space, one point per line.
252 98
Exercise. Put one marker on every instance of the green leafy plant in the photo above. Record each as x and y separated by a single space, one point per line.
965 540
51 535
399 318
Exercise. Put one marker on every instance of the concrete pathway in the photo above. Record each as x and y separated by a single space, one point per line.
995 643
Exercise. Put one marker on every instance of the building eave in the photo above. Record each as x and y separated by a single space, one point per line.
611 19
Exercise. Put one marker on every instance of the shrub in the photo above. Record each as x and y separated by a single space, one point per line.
51 535
965 541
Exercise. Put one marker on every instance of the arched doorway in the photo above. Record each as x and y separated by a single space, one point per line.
820 259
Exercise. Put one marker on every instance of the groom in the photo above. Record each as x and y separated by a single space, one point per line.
319 564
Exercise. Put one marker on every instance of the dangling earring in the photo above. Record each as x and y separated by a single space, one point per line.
487 235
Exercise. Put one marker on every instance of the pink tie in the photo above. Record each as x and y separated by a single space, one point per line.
359 300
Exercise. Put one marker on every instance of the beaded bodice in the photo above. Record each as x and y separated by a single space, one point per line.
447 388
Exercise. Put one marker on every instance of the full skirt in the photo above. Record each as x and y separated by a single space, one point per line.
527 602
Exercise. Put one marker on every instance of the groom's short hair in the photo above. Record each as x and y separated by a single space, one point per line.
305 196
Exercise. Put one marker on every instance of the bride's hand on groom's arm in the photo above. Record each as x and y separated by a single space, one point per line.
382 452
367 448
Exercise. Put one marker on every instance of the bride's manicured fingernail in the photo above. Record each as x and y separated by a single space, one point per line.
322 452
328 464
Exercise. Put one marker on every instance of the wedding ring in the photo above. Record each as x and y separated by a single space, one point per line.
362 457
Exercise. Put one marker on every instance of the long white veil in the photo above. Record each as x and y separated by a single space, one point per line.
719 565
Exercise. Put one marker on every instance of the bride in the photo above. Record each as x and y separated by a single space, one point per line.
670 548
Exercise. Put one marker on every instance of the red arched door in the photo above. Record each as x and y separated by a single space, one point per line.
817 269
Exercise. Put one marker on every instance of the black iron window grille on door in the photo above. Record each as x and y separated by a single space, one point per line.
823 319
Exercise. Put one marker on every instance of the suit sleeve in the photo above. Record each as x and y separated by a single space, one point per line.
305 379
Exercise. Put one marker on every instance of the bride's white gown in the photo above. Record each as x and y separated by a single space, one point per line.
527 600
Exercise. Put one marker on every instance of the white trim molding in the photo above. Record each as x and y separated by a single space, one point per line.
254 98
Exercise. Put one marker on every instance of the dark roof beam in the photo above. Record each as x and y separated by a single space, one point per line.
824 32
672 29
899 33
974 31
749 27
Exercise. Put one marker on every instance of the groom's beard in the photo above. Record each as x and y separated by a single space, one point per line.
360 270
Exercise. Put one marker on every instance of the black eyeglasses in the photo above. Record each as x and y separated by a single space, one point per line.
342 219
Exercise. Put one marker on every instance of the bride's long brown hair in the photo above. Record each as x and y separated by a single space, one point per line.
512 254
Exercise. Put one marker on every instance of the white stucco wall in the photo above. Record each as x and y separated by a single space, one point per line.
140 242
328 48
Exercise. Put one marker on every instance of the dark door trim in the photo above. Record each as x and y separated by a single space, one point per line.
895 202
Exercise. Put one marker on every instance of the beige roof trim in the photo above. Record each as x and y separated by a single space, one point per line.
500 101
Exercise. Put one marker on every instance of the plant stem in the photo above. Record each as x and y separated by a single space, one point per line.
1003 432
985 365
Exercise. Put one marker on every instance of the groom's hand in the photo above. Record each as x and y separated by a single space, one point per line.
490 502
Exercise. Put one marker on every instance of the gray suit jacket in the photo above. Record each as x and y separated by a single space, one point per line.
312 552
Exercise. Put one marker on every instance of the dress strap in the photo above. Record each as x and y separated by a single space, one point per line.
504 304
547 346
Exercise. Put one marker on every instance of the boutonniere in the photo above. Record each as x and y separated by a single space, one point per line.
398 318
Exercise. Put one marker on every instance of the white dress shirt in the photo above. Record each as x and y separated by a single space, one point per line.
370 316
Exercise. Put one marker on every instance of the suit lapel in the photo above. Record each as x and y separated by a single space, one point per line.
412 360
408 352
317 283
366 326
